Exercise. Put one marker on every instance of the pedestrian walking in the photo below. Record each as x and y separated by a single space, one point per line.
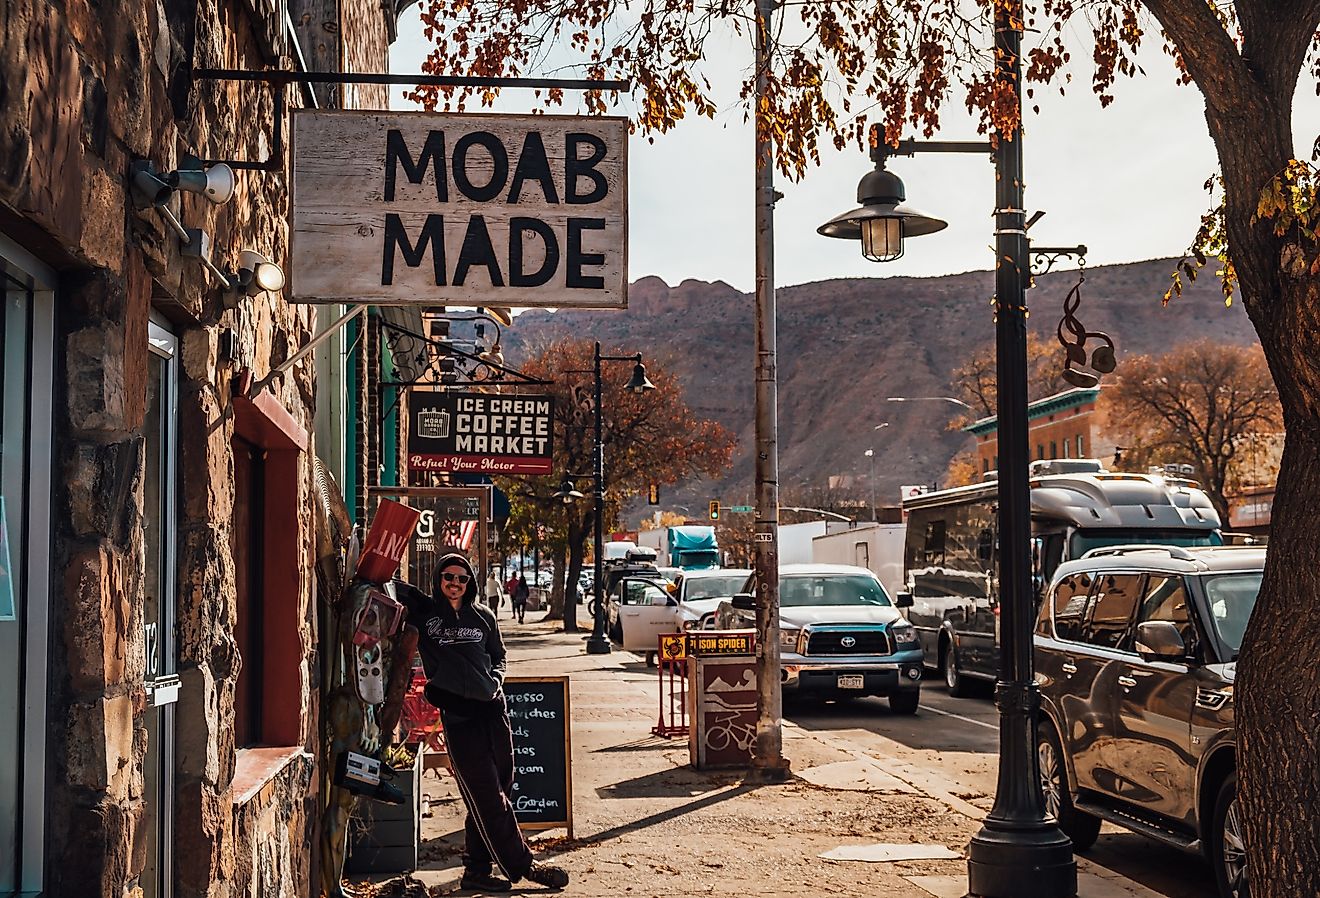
520 595
464 659
494 596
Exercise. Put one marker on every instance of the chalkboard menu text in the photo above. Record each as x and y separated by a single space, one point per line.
542 752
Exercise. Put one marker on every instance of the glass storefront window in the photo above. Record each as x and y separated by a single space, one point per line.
26 344
14 329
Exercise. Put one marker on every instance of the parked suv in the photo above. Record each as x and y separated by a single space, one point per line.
1136 650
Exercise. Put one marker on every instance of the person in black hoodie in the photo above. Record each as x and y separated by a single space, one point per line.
464 659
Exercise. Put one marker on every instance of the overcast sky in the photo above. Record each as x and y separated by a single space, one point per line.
1126 181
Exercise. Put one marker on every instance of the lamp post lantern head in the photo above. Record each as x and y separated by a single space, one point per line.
638 383
883 219
567 493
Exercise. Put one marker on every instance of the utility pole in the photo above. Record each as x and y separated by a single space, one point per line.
768 753
870 454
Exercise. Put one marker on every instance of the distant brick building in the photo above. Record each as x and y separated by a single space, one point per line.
159 645
1065 425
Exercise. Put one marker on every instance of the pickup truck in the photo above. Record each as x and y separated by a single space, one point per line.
840 635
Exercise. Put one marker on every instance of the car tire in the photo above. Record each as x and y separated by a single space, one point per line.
1079 826
651 659
905 702
957 684
1227 847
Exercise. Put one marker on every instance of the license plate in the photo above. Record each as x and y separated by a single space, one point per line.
857 682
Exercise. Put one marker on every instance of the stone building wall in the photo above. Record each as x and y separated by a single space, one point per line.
87 87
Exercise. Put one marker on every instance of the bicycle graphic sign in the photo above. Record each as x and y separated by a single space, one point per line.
725 722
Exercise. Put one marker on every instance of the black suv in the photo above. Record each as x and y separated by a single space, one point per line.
1136 650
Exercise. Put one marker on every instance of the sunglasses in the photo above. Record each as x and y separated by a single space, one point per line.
460 579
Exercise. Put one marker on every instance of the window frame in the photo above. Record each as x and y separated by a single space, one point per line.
1125 639
1193 644
1086 608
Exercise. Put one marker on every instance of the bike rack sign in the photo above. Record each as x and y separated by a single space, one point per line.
722 710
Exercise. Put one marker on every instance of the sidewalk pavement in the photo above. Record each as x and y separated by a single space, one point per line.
647 825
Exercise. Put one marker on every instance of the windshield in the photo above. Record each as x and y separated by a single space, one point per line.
827 589
1084 541
1231 598
710 587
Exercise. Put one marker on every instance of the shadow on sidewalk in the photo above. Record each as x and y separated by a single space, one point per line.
649 743
664 784
668 815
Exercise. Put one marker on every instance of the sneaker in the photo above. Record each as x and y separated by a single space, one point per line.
484 882
548 875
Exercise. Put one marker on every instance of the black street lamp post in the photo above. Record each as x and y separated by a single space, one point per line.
599 641
1019 851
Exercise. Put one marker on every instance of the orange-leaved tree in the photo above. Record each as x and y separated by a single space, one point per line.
1199 404
651 437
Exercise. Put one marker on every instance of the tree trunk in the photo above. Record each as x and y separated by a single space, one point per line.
1278 692
562 600
572 596
1249 112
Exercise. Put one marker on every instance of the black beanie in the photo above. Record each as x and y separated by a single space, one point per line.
449 560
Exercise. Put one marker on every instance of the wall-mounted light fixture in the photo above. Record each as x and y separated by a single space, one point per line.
255 274
153 188
215 182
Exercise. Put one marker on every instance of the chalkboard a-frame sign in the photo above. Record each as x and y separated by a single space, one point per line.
542 752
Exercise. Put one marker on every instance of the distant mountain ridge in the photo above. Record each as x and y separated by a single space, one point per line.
846 345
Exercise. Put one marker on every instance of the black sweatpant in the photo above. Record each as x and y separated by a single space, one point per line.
481 759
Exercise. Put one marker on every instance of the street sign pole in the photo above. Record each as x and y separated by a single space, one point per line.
767 754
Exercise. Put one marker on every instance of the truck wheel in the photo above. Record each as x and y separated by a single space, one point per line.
1080 827
953 675
650 659
905 702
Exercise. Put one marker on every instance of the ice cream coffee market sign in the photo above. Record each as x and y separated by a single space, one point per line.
479 433
414 208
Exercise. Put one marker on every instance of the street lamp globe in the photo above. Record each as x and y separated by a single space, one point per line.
567 493
638 383
884 218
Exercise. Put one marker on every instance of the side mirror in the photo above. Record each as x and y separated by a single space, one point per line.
903 600
1159 640
744 601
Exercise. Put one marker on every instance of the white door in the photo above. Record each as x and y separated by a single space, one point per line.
647 611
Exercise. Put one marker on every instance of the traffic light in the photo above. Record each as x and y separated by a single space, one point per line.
714 509
653 495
